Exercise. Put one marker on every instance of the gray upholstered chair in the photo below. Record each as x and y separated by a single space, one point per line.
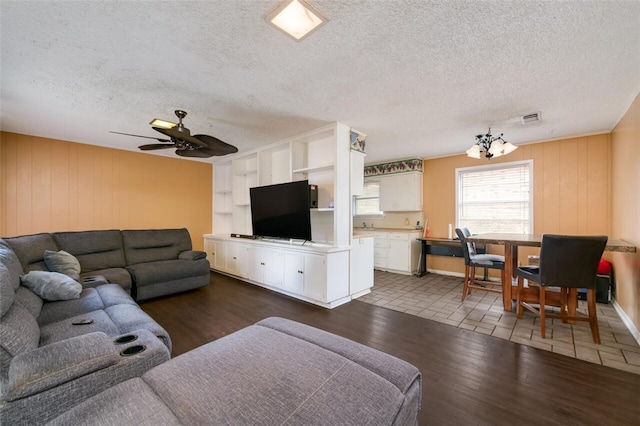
473 260
568 262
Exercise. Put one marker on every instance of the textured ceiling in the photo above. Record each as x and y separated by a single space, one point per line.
421 78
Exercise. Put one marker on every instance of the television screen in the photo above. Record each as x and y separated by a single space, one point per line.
281 210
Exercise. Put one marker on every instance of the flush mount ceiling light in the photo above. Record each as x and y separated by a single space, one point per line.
492 147
296 18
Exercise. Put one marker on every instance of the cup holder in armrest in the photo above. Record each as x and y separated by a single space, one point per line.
132 350
127 338
93 279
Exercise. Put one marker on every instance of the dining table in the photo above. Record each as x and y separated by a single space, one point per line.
511 242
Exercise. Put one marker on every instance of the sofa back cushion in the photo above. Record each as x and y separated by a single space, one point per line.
29 300
30 250
19 331
94 250
150 245
7 292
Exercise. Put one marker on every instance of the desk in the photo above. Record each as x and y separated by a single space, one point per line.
511 242
439 247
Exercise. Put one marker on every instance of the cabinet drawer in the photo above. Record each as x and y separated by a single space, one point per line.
404 236
380 262
380 243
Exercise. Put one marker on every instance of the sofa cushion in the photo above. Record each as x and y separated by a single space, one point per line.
10 260
167 270
63 262
19 331
65 329
246 378
133 397
151 245
91 299
30 250
7 292
29 300
52 285
94 249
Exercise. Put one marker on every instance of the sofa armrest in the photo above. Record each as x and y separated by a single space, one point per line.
60 362
192 255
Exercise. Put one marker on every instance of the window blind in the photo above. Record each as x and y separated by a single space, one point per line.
495 198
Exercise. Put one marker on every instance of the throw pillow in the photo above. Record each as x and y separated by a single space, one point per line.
52 285
63 262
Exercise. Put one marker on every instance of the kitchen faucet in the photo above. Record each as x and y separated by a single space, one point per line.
364 225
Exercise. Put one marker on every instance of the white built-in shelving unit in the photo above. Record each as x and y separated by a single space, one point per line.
315 271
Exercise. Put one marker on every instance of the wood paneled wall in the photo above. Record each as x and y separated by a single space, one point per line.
571 181
625 165
51 185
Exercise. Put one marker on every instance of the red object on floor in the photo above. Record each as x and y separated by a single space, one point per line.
604 268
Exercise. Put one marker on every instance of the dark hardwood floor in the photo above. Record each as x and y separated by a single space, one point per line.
468 378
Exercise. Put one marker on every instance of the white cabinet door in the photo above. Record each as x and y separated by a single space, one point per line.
266 266
401 192
315 277
361 268
219 255
237 259
399 256
293 272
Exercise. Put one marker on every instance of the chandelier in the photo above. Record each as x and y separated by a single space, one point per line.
492 147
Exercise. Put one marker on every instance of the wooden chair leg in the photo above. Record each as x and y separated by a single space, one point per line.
465 287
593 315
542 312
564 304
519 297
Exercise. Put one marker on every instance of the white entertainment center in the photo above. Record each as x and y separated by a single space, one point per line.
324 272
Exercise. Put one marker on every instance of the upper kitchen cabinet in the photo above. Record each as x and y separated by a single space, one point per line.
400 184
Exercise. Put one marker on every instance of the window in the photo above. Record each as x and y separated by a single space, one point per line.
495 198
368 204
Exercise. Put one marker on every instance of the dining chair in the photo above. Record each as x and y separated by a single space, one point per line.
569 263
473 260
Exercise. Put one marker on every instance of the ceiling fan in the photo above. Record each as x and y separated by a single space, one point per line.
181 139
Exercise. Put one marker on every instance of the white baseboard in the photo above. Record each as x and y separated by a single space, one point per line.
626 320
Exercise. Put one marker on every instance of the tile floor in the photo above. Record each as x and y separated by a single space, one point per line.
437 297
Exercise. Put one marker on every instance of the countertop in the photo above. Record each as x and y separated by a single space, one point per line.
362 230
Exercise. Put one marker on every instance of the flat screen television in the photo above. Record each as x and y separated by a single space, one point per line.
281 210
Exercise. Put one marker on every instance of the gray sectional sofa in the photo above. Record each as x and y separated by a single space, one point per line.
145 263
97 358
56 354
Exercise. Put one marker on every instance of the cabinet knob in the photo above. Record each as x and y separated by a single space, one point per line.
300 272
234 258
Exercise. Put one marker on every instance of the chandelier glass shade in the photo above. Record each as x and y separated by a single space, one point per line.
492 147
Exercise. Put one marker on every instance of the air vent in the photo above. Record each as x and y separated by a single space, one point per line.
530 118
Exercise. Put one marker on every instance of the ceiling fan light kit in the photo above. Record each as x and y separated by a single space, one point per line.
493 147
162 123
186 145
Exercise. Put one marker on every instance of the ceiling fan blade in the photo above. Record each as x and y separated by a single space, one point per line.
153 146
200 153
215 146
139 136
174 133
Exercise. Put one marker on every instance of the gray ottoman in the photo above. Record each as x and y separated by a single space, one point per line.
274 372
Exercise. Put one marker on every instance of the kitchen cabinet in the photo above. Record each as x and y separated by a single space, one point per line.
397 252
361 266
401 192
